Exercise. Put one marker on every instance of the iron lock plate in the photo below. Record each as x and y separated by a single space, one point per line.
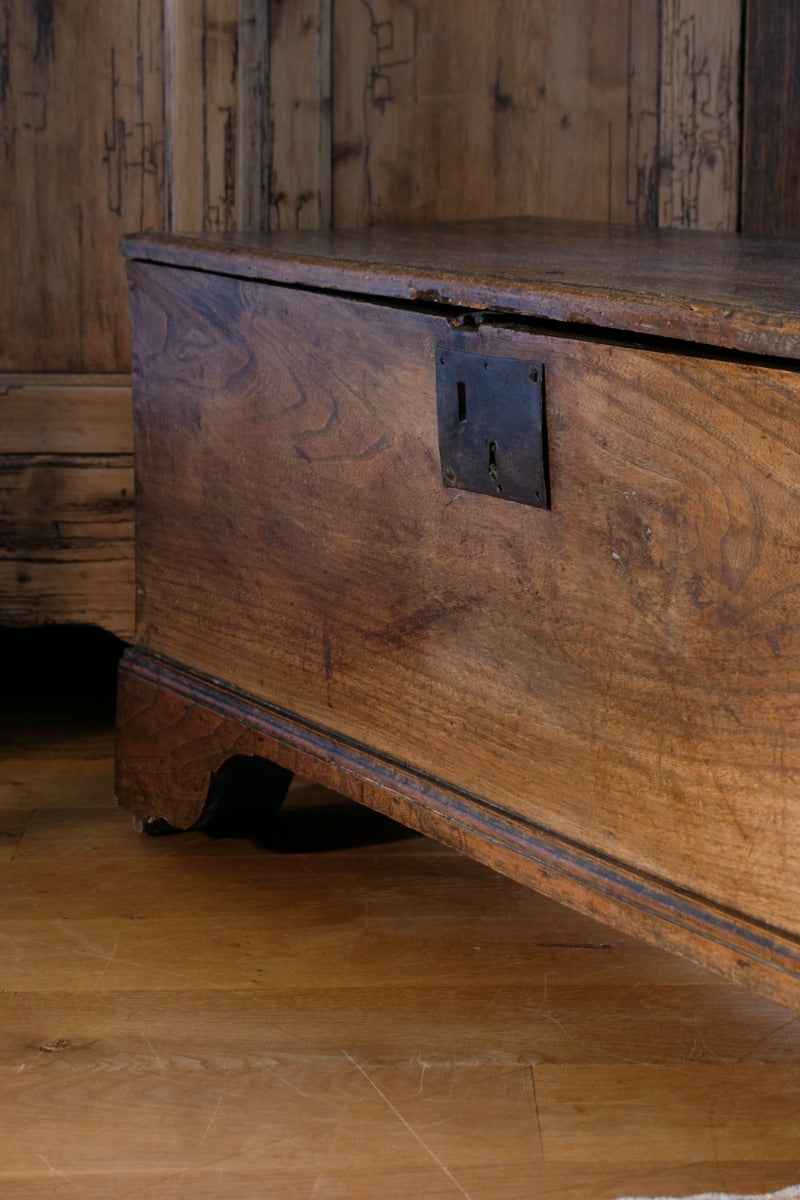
492 436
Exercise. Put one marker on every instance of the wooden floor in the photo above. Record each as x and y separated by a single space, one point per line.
332 1008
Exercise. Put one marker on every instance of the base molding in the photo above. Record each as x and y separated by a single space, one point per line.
176 730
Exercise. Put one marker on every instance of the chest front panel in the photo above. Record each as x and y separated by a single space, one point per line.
619 668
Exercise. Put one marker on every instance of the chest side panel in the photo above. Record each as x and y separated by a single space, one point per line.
620 668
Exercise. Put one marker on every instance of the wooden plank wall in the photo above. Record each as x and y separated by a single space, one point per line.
66 500
450 108
227 114
700 99
771 175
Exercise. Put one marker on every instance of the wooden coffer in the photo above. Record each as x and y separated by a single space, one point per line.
494 527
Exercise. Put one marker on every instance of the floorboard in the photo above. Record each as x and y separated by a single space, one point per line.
332 1008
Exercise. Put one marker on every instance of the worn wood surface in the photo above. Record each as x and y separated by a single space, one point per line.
540 113
177 735
66 531
642 676
723 292
338 1010
226 115
66 500
771 183
201 103
232 114
66 414
699 114
253 139
81 131
300 68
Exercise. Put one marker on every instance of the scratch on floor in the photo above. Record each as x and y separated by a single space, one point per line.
409 1127
287 1083
132 963
751 1053
156 1056
55 1171
216 1110
110 957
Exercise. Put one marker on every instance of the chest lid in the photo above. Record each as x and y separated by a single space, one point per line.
717 290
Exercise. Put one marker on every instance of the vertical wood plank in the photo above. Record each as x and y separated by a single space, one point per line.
299 114
643 108
374 63
700 126
601 96
125 86
254 144
770 161
40 226
202 117
464 108
81 137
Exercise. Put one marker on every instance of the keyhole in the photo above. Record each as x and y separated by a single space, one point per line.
493 463
461 389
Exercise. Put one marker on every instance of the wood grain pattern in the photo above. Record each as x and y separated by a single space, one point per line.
202 115
233 114
226 115
540 114
642 676
175 732
735 1101
82 134
253 142
81 166
771 182
700 104
335 1010
300 115
66 414
67 540
66 500
736 293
